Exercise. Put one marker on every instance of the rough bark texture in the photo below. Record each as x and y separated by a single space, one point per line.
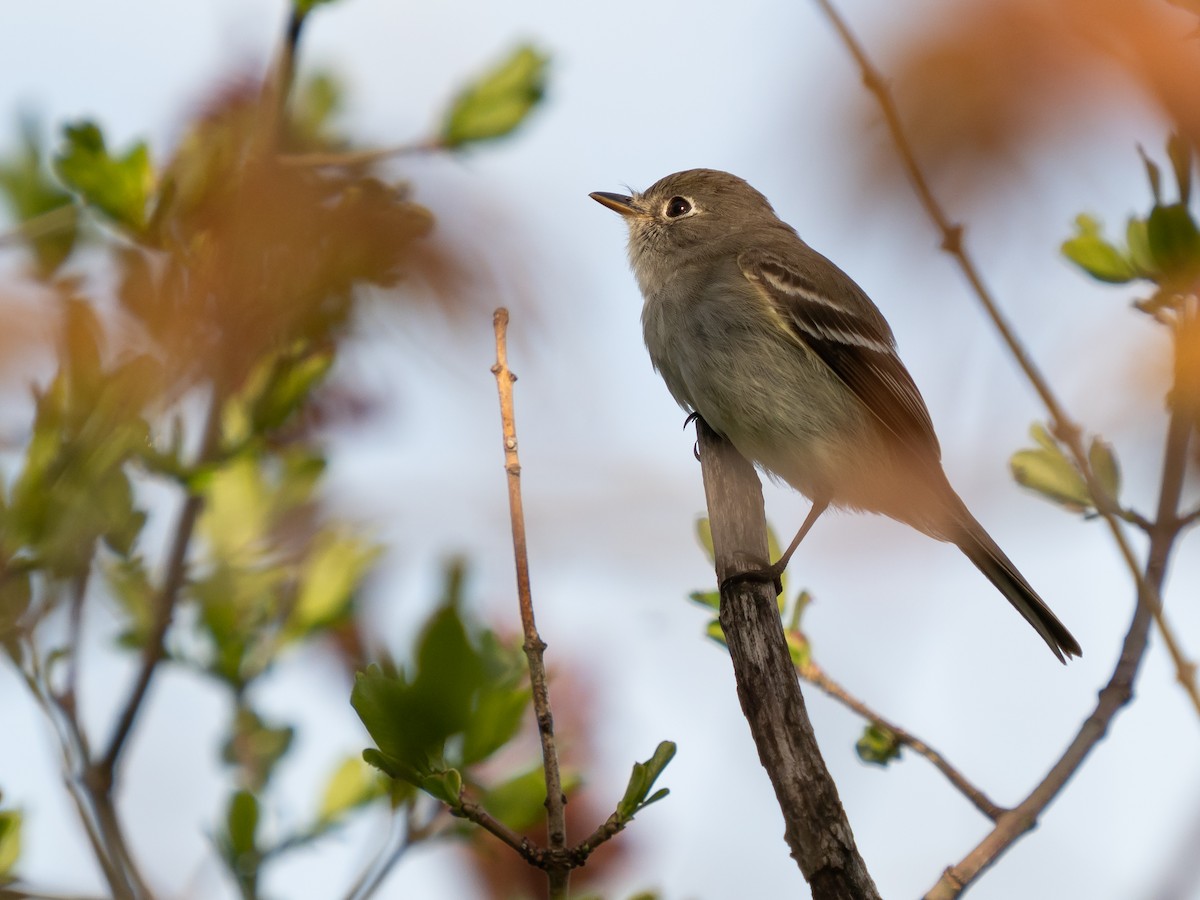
816 828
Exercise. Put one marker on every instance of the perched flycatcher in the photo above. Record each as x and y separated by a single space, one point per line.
779 351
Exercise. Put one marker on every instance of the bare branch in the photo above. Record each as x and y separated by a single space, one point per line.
534 646
815 675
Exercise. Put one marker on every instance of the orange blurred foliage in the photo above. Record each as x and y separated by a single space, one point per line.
993 76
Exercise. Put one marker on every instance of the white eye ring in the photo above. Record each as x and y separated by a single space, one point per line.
677 207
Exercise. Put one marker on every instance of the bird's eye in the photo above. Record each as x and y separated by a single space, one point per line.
678 206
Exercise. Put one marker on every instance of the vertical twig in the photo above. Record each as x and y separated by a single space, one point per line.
815 824
534 646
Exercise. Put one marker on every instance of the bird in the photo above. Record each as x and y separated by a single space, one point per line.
782 353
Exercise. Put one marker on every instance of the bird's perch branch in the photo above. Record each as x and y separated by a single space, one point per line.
816 828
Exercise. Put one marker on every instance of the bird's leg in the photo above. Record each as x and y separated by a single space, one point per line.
773 573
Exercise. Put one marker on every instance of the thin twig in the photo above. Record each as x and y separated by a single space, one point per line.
1115 695
1063 427
534 646
351 158
154 650
473 812
815 675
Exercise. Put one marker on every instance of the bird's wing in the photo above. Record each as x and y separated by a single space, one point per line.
829 314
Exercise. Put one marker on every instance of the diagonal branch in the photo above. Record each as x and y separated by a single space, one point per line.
1065 429
816 676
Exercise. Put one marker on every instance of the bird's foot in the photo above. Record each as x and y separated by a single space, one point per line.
765 574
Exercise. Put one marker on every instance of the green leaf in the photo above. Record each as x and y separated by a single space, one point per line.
335 566
256 747
16 593
714 631
1047 471
798 648
1174 241
704 535
498 713
33 195
1153 174
1179 150
520 802
1137 238
878 746
708 599
1096 256
352 784
304 7
241 822
642 779
10 841
445 786
499 101
117 186
1104 466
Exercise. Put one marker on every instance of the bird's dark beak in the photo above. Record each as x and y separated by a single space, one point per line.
616 202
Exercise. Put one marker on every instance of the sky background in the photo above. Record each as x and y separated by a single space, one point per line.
636 91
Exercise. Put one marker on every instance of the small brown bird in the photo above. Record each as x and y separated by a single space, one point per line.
778 350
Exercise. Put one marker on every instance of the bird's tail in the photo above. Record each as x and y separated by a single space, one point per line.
979 547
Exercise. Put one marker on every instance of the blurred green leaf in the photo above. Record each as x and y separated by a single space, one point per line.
129 584
1137 238
10 842
498 713
1153 174
520 802
878 746
256 747
1096 256
798 648
714 631
709 599
33 195
1104 466
641 780
331 573
498 102
304 7
352 784
1047 471
315 102
1174 242
1179 151
16 594
704 535
117 186
241 823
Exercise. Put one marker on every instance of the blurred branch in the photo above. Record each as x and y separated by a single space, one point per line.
350 158
42 225
414 832
557 873
815 675
816 828
1064 428
154 650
